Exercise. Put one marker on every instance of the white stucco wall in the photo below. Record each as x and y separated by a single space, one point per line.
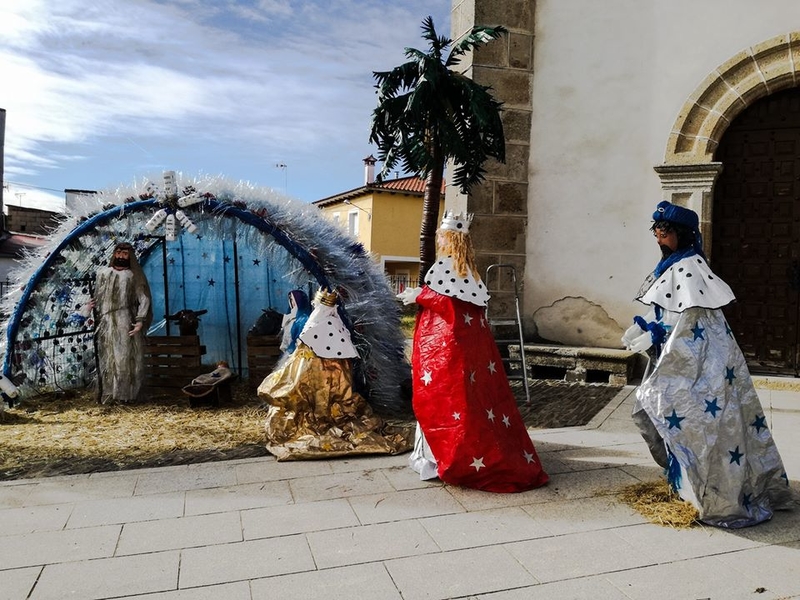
609 80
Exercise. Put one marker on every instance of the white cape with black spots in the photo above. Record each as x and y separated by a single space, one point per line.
443 279
689 283
326 334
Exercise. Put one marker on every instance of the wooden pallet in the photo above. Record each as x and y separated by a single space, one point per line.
263 351
171 362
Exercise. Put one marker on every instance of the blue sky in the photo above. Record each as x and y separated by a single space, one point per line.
102 93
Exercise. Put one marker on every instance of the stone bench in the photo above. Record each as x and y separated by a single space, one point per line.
588 365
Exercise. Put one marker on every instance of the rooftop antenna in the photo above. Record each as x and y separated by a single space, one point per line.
285 168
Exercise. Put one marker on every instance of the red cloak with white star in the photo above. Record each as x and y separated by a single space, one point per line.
463 402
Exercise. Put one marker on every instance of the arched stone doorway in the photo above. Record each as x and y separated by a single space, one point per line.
756 229
697 154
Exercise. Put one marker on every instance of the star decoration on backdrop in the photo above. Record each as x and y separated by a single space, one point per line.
211 282
171 205
735 456
759 423
711 407
674 420
729 375
256 262
698 332
467 319
427 377
226 259
478 464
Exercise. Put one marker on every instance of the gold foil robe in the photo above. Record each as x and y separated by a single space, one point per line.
315 413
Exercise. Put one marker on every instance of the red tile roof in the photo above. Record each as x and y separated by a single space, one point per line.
407 185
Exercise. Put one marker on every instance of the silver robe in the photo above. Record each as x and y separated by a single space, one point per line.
698 408
122 298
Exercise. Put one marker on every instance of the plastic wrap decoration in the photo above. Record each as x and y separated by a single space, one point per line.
237 251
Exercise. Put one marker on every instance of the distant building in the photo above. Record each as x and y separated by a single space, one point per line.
21 219
385 218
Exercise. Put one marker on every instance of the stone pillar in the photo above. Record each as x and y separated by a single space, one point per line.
500 203
692 186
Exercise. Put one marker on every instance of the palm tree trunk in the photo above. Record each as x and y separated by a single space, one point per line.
430 215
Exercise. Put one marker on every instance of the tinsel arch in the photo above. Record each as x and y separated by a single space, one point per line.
234 250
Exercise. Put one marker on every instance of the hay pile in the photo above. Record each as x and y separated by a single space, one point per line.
656 502
74 434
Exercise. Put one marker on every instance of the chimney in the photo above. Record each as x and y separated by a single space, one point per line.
369 169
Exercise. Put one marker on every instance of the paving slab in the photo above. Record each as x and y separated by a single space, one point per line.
298 518
109 577
359 582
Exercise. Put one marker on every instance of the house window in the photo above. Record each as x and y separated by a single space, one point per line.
336 220
352 223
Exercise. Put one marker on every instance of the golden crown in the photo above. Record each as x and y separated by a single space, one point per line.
456 222
326 297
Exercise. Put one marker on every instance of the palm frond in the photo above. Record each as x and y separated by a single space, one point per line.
477 36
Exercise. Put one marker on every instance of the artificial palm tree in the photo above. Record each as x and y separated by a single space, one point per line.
429 113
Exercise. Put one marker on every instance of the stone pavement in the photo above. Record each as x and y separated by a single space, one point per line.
369 529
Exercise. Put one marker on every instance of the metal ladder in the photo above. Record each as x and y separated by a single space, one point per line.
496 322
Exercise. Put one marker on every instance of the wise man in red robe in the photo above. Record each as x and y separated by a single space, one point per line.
469 429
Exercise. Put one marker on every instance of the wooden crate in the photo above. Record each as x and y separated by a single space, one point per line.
263 351
171 362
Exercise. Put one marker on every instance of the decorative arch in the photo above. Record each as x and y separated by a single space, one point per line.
284 243
689 172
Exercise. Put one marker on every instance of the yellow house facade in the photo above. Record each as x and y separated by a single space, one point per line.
385 218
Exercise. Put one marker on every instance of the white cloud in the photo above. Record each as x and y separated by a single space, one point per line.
88 82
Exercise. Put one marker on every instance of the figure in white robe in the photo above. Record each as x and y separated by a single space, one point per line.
122 305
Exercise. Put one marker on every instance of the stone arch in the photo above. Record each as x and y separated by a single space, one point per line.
689 172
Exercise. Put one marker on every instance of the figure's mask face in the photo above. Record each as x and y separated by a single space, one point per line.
122 258
667 240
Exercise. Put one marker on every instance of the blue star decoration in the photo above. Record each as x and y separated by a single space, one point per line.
698 332
728 330
226 259
735 456
256 262
712 407
674 420
729 375
759 423
211 282
746 501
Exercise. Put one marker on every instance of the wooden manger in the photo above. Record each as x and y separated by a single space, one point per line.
263 351
170 361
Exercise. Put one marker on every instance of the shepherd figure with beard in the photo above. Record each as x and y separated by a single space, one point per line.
697 408
123 312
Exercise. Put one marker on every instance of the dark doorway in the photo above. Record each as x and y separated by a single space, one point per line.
756 230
